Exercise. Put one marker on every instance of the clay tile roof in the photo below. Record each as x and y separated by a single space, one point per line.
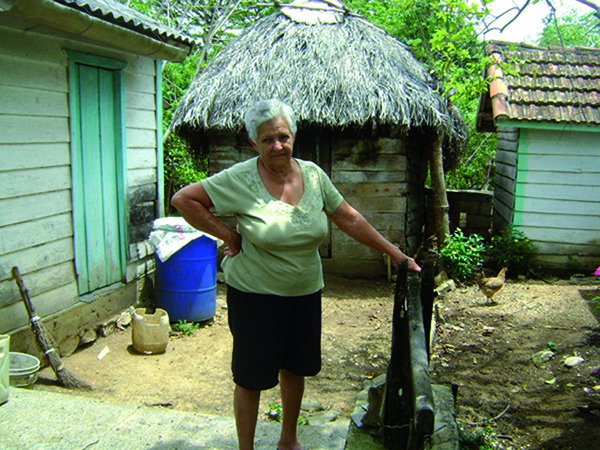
540 84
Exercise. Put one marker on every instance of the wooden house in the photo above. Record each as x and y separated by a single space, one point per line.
367 111
80 160
544 103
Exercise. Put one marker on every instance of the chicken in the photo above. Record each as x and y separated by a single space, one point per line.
489 286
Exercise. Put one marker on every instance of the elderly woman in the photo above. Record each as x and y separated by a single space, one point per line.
272 265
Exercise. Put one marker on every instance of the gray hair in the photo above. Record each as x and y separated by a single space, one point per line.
265 110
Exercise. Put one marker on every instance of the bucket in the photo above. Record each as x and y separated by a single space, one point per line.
186 283
150 332
4 363
23 369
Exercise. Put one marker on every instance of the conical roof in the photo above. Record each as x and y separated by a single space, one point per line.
338 74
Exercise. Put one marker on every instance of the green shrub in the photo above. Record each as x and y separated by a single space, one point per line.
462 255
512 249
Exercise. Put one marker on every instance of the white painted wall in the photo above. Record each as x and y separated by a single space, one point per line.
35 177
557 193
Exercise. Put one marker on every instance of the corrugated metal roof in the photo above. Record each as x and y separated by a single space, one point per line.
541 84
119 14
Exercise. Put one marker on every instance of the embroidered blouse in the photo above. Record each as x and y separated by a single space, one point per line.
280 242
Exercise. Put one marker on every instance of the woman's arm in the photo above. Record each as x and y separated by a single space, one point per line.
351 222
194 205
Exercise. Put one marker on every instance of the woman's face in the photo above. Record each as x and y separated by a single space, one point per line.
274 143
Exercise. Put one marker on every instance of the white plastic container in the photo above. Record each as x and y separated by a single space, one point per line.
4 366
150 331
23 369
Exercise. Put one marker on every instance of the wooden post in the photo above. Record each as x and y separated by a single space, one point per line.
427 298
408 409
397 410
438 185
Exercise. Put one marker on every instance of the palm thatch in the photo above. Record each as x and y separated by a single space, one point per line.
333 75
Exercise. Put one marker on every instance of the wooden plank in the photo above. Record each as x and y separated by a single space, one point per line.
141 158
557 191
139 232
540 205
505 184
34 181
502 210
137 82
360 176
138 177
91 271
15 130
370 189
15 316
506 145
374 147
36 258
140 138
509 158
12 317
353 250
503 194
567 249
38 282
33 233
506 171
142 193
562 219
140 64
110 198
30 46
141 100
558 235
25 73
422 395
559 138
30 207
142 119
564 178
378 204
29 156
33 102
343 239
397 408
142 213
559 163
381 163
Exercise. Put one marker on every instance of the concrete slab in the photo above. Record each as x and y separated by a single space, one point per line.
39 420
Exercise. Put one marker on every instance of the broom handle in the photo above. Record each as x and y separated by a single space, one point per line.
24 292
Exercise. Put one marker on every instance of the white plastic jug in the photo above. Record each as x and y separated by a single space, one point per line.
4 366
150 331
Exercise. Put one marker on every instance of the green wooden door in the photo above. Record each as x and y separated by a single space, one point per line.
98 171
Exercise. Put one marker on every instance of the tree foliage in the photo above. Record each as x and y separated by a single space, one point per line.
571 29
443 35
212 23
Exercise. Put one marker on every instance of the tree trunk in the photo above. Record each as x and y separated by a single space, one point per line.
438 184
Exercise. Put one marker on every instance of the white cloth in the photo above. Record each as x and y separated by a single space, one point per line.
171 234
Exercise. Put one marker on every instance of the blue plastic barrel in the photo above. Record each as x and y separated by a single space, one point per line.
186 283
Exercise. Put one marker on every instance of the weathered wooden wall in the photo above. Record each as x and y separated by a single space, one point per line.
471 211
557 194
506 173
369 167
36 231
418 163
370 170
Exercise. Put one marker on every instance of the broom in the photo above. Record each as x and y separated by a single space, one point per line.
66 378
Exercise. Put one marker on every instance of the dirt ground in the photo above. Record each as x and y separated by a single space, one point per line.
485 350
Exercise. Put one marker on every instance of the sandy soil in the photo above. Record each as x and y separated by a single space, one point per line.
485 350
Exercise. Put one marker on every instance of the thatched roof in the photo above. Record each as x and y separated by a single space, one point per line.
332 74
